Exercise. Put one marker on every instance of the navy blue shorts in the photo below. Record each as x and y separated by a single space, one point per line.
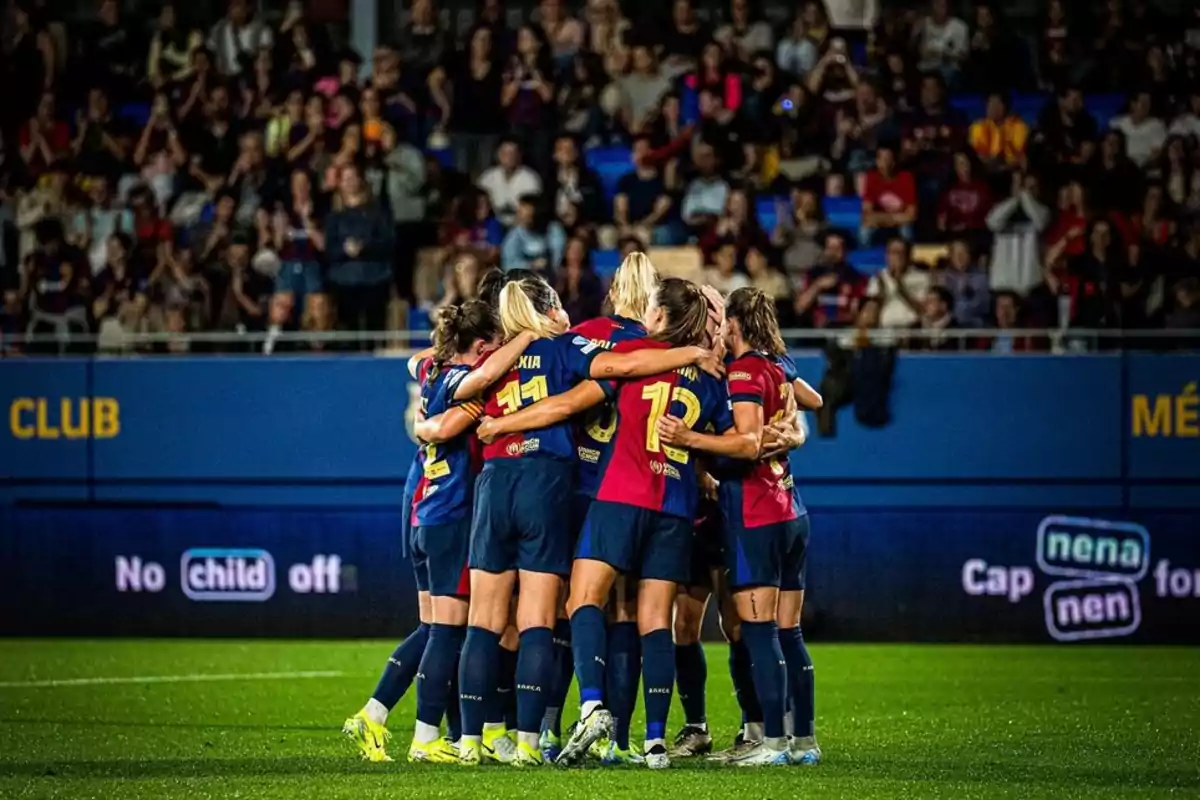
408 534
580 503
643 544
769 555
444 548
522 516
707 555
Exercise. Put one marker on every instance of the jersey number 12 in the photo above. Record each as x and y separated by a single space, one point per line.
661 395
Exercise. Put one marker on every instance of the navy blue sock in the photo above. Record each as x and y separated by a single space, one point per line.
691 677
589 646
770 673
658 681
621 676
564 672
535 675
454 727
504 707
801 686
401 668
436 672
743 682
477 678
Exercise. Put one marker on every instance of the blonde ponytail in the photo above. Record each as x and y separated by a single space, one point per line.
518 311
633 286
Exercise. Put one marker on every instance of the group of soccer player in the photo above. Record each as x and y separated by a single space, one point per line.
578 497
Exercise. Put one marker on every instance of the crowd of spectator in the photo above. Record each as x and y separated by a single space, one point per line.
941 168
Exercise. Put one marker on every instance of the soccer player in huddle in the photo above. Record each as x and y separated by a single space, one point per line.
526 477
367 729
641 520
765 532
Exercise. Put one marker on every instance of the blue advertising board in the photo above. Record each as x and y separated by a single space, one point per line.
1094 431
907 574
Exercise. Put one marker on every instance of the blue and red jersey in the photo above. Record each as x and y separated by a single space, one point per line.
547 367
594 428
636 469
418 372
446 483
756 493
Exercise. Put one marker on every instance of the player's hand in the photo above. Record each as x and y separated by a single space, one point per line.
671 430
710 361
487 430
778 439
709 486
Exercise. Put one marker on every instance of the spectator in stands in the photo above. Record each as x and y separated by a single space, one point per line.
508 181
937 323
181 294
28 64
832 289
170 48
358 246
967 284
999 139
578 286
1115 183
1185 313
965 202
1017 224
531 243
743 36
771 282
46 201
642 205
472 113
575 182
92 227
527 96
860 129
565 34
404 181
737 224
1066 130
796 54
834 77
250 288
1176 173
57 288
1144 133
237 38
684 38
705 197
1187 122
942 41
1068 237
1093 278
900 287
1151 227
320 317
994 61
422 42
799 235
723 275
607 29
930 137
715 74
642 89
101 140
299 240
119 289
43 138
889 198
1006 312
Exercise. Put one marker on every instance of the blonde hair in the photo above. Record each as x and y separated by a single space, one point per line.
524 306
633 286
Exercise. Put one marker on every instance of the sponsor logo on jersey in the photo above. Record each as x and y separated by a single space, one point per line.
740 376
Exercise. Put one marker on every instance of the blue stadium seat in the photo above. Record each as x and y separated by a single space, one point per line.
971 105
868 261
135 113
605 262
1104 107
444 156
611 164
767 211
689 105
843 212
1029 106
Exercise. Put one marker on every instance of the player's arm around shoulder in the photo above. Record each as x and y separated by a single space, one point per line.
544 413
498 364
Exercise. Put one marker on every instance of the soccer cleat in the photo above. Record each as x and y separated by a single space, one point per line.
550 746
596 725
439 751
599 749
761 755
657 758
616 757
370 737
739 747
498 746
692 741
526 756
469 753
804 756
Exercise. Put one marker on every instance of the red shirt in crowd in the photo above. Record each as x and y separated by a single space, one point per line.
965 206
890 195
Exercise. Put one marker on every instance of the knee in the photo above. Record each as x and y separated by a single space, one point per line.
536 616
687 626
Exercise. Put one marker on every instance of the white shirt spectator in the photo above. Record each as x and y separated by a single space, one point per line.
228 43
704 196
894 312
757 36
941 44
505 188
1142 139
796 56
726 283
859 14
1186 125
1016 263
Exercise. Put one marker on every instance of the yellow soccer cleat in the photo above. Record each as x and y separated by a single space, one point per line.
498 746
469 753
526 756
439 751
369 737
599 748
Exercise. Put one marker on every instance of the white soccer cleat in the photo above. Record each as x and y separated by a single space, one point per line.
804 756
762 755
591 729
657 757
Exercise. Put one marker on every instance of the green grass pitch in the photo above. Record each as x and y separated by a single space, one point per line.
894 721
